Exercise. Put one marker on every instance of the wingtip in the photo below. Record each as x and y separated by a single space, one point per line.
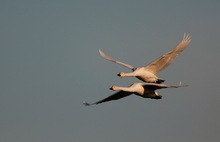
100 51
186 36
86 104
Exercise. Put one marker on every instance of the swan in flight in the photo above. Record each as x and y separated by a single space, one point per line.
145 90
149 72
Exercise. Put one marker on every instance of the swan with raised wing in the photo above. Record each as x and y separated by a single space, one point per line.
149 72
145 90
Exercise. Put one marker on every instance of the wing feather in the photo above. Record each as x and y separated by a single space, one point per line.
165 60
116 96
113 60
155 86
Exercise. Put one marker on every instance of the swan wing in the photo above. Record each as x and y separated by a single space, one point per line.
155 86
113 60
165 60
116 96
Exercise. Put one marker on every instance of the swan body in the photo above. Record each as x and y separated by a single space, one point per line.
149 72
145 90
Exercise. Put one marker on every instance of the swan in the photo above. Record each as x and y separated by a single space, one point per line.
149 72
145 90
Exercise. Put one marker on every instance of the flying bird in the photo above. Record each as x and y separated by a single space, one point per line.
145 90
149 72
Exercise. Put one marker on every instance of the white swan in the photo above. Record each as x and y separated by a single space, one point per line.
149 73
145 90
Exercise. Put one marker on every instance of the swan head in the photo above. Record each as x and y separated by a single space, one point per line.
121 74
113 87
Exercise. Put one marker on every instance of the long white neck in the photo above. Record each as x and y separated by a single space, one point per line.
130 74
118 88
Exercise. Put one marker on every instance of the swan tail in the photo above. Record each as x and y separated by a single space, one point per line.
159 81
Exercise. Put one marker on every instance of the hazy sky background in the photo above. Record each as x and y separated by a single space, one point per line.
49 64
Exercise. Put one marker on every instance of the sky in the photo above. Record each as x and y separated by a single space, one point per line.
49 65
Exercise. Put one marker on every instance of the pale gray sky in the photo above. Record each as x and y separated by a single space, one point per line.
50 63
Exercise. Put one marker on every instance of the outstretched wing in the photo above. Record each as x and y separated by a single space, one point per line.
116 96
155 86
165 60
113 60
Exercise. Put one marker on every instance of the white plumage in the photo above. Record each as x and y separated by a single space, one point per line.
149 72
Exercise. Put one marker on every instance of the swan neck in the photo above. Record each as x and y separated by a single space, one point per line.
126 89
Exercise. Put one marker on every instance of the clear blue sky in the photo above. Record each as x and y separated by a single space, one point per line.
49 64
